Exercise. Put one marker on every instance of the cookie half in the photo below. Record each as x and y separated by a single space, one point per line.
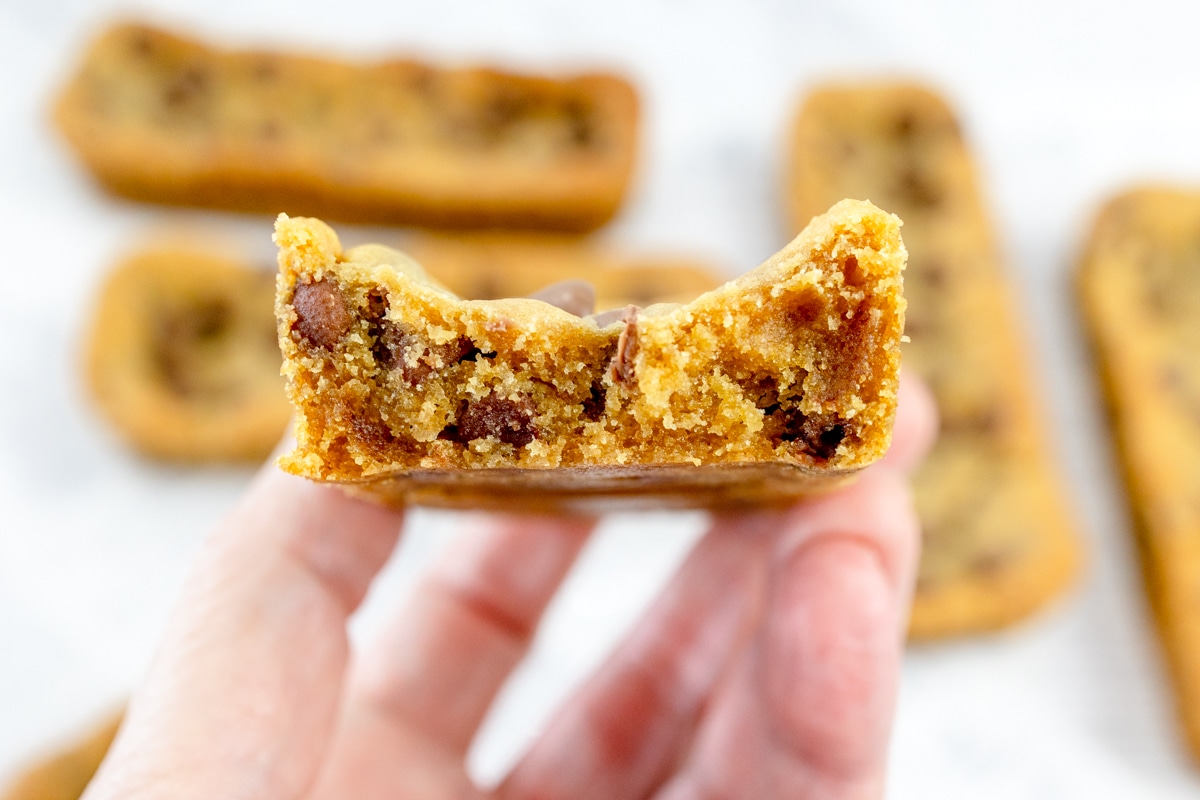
778 384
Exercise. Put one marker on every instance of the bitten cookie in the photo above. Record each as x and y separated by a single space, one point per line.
780 383
165 118
489 266
999 539
182 357
65 774
1139 286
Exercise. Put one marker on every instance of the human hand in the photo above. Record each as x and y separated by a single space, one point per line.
767 668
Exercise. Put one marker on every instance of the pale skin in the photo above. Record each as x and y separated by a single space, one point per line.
767 668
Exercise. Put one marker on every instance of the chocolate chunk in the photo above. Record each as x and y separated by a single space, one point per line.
919 189
573 296
179 346
580 123
593 406
510 421
186 88
905 125
321 314
817 435
371 432
627 346
606 318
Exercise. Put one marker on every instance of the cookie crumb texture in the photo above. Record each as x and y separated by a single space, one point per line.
779 383
166 118
1139 285
182 357
999 539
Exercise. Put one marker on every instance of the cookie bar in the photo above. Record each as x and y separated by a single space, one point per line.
780 383
1000 541
165 118
182 358
1139 287
65 774
489 266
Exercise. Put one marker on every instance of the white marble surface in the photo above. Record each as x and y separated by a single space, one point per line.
1064 101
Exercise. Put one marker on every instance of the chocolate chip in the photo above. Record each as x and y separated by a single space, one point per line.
573 296
189 85
265 68
510 421
764 391
593 406
621 367
580 123
371 432
321 314
918 189
180 337
818 435
905 125
991 562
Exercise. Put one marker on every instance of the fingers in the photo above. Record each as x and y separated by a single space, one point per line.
628 725
837 611
916 424
251 668
436 671
808 711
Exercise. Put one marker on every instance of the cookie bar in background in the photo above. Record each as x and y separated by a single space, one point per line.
165 118
65 774
1139 286
999 538
182 359
780 383
488 266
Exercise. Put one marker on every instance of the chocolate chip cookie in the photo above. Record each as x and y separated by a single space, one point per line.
1000 541
1139 287
182 358
780 383
166 118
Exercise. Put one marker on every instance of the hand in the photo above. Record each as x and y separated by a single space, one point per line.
767 668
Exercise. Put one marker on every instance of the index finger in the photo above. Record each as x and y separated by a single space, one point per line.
250 671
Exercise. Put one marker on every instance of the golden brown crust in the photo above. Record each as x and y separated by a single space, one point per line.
165 118
999 540
487 266
787 374
64 775
181 357
1139 289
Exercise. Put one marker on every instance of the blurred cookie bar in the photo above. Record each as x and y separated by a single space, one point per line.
489 266
165 118
65 774
182 358
1000 541
780 383
1139 287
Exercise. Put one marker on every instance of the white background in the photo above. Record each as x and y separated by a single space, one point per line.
1064 102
